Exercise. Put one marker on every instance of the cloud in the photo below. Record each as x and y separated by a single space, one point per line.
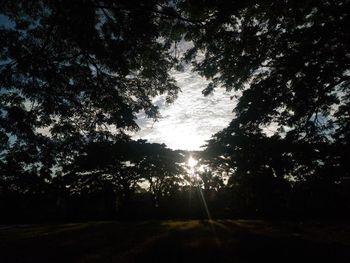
192 118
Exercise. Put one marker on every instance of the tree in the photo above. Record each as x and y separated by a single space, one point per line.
71 72
288 63
124 165
289 66
161 168
210 181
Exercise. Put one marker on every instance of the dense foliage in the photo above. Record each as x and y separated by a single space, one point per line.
289 64
74 74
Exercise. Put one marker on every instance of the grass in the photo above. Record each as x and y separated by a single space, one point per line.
176 241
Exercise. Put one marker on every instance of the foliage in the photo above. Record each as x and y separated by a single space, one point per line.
71 72
75 74
288 63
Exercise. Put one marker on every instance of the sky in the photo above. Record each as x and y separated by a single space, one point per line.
192 119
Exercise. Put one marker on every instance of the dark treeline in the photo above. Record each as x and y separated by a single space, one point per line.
75 74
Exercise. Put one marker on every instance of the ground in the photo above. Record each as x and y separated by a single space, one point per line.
176 241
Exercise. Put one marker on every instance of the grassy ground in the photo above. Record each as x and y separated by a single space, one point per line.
176 241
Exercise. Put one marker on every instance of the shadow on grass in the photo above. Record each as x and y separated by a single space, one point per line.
175 241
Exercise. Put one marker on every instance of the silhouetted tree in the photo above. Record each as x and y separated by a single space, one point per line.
74 74
210 181
71 71
288 63
161 168
124 165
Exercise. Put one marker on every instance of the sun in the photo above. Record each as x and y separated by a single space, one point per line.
192 162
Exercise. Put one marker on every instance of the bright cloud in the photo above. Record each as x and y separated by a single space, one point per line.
192 118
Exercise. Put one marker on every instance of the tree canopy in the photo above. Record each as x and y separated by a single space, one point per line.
74 75
289 65
75 71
